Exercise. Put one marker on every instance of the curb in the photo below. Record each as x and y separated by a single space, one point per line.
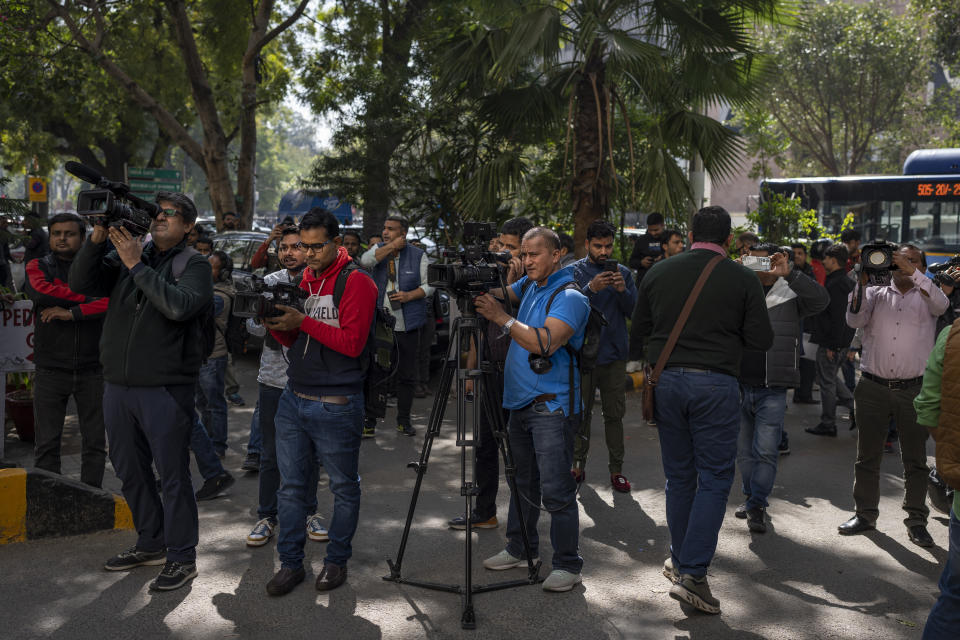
40 504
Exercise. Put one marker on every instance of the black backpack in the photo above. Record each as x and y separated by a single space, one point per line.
236 334
338 286
207 318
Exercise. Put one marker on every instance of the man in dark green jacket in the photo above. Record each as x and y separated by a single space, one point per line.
151 350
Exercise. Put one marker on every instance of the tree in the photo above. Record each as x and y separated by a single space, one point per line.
848 85
576 64
226 47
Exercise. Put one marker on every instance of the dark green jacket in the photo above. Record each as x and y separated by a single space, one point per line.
730 314
151 333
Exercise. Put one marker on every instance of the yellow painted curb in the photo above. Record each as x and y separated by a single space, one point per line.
13 505
122 518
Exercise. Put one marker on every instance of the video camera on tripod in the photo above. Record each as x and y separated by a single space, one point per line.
477 270
111 203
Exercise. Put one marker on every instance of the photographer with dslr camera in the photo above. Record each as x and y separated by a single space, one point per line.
947 277
610 288
320 414
151 350
543 404
487 462
898 321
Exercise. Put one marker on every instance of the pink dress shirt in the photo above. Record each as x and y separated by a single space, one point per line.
898 328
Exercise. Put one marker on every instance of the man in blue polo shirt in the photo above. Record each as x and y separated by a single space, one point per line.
544 409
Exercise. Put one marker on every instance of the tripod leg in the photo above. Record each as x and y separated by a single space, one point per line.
436 419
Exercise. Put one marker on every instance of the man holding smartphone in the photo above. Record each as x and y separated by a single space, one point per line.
610 288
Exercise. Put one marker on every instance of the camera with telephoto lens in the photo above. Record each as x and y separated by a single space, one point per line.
262 299
947 272
112 204
876 260
476 270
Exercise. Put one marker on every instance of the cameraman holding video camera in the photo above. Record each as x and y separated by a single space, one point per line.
948 279
540 397
151 351
898 321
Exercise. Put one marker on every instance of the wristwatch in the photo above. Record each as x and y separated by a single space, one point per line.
508 325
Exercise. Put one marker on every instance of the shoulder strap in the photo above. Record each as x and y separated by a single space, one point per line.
566 285
525 286
684 315
341 282
180 262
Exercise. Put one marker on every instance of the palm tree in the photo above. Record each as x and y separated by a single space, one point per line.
570 66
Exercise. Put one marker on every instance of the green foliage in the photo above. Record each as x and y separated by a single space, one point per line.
943 18
781 220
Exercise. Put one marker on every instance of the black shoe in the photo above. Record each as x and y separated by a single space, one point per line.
823 430
331 577
133 557
741 511
215 486
174 575
406 429
251 462
419 391
853 421
460 522
784 447
285 580
919 535
756 520
810 400
854 525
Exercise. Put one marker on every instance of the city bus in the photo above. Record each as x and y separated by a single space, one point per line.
922 206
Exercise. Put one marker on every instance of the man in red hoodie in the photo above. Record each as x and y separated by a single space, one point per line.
320 415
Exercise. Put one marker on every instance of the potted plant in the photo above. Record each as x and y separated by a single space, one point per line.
19 397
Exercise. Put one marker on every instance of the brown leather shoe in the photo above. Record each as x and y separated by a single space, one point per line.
285 580
331 577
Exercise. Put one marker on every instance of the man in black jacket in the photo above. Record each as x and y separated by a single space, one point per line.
151 351
765 377
833 336
65 353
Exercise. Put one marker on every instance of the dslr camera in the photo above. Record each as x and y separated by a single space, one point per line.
876 260
262 299
111 203
474 269
947 272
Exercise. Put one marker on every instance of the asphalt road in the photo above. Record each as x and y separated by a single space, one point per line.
799 580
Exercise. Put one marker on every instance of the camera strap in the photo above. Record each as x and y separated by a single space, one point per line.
544 352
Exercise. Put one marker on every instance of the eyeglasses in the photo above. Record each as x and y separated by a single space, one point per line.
317 246
169 213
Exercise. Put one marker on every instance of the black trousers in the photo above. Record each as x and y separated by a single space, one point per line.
488 459
151 426
808 373
52 391
408 371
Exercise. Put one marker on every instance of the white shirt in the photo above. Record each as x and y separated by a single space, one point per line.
369 260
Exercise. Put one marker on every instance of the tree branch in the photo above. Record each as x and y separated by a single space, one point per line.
283 26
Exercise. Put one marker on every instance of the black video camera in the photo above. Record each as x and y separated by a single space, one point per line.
876 260
947 272
262 299
111 203
477 269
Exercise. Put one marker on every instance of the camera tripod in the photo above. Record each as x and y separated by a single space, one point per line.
466 328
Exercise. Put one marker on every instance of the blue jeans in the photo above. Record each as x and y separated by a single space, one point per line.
269 478
698 419
542 444
210 401
761 426
309 432
255 442
943 623
207 461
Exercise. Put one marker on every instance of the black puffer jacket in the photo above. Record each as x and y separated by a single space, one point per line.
151 335
72 345
789 300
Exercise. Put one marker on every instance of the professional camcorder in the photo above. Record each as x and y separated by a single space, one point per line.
947 272
111 203
477 270
876 259
262 299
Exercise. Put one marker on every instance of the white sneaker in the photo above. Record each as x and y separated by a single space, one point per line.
560 580
634 365
261 534
315 530
505 560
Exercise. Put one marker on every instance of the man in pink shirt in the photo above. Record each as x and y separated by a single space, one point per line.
899 322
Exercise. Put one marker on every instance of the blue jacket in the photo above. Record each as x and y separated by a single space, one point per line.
408 279
615 306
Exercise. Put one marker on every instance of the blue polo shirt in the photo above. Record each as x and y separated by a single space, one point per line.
521 384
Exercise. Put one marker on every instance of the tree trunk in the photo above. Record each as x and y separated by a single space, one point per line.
589 191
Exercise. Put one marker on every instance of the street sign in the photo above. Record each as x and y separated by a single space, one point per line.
37 188
147 173
149 186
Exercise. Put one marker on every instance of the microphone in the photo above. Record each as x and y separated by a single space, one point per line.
83 172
